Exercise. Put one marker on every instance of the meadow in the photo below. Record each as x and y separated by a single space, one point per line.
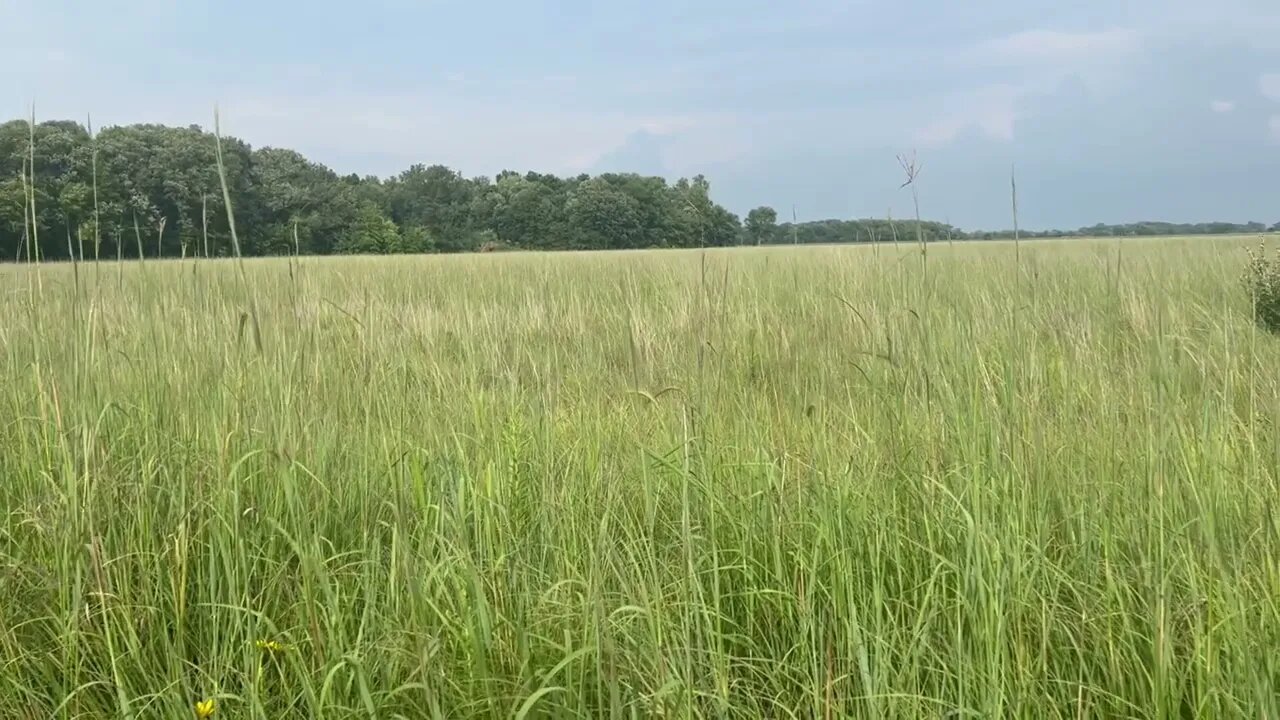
825 482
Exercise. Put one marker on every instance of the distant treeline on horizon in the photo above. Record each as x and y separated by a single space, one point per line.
154 191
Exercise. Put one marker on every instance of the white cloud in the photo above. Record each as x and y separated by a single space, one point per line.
991 111
1060 46
689 153
473 136
1042 63
1269 86
1222 106
1234 24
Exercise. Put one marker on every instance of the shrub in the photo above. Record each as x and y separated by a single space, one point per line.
416 239
487 241
1262 279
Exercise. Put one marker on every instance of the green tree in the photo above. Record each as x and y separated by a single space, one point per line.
295 194
698 221
13 218
416 240
55 182
602 216
436 198
762 225
524 211
168 178
373 233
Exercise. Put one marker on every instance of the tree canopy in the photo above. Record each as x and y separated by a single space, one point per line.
154 190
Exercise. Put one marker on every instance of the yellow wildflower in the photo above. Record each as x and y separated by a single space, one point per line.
271 646
204 709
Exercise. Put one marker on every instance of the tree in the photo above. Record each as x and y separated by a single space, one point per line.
436 198
13 218
373 233
298 196
699 222
762 225
167 179
55 184
603 217
524 211
416 240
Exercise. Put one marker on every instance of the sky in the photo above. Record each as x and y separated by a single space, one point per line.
1110 110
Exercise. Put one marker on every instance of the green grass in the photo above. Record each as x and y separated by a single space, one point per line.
774 482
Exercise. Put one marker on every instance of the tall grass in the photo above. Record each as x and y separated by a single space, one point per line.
501 486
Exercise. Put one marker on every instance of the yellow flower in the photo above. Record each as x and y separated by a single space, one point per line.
204 709
270 646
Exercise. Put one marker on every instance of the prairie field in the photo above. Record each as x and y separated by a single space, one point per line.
992 481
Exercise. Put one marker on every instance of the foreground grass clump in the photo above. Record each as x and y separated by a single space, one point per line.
764 483
1262 281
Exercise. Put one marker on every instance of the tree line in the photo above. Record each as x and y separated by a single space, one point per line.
887 229
155 191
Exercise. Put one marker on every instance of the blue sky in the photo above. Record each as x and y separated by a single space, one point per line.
1112 110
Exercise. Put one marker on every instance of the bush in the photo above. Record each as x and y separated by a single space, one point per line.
1263 282
416 239
486 241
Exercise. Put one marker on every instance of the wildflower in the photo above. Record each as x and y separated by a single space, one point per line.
270 646
204 709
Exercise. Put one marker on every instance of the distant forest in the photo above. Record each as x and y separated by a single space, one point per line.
154 191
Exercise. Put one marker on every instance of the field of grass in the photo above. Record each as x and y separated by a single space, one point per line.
755 483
